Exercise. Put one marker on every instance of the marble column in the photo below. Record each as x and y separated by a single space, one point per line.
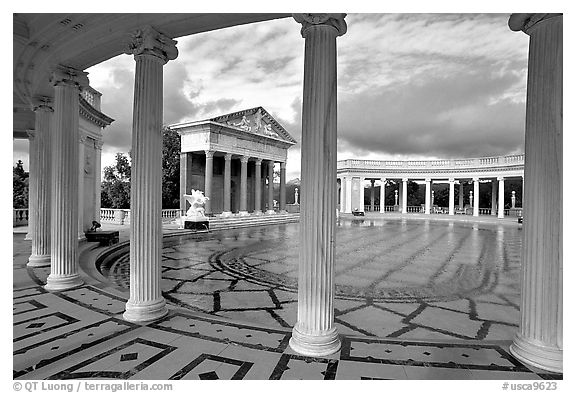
314 333
243 186
39 198
361 194
227 185
372 195
427 197
461 195
348 208
151 51
97 178
32 181
451 197
258 187
382 195
282 187
64 178
270 188
404 196
471 200
476 207
184 169
539 341
208 175
500 197
82 139
493 207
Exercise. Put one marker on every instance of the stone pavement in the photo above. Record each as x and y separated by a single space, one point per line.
80 334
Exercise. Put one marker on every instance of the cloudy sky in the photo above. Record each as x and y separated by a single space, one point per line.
409 85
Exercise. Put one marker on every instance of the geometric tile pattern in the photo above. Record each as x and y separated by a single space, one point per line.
395 278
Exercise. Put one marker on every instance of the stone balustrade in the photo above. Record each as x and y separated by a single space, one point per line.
19 217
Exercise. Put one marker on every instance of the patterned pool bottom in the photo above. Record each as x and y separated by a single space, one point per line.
409 279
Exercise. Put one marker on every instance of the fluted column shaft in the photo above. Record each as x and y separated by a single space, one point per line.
97 180
146 302
493 208
258 187
382 195
500 197
427 197
476 208
227 183
270 187
183 180
451 198
362 194
81 153
39 196
64 169
208 174
314 333
32 184
404 196
461 195
282 186
244 185
371 195
539 340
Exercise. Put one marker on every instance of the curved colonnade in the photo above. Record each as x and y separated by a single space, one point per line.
353 173
52 50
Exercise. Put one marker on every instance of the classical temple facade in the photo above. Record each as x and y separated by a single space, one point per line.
51 52
231 158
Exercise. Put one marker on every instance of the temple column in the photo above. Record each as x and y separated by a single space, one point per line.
64 178
39 195
461 195
244 186
97 179
427 197
362 194
184 180
81 147
348 207
258 187
451 197
471 200
270 188
32 181
151 51
282 187
500 197
382 195
476 206
493 209
208 175
371 195
314 333
227 185
539 341
404 196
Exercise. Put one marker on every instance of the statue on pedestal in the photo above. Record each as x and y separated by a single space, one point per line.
195 217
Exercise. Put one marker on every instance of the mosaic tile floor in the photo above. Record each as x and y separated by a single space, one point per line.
80 333
394 278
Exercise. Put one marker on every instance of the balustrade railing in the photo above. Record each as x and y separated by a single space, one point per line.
484 212
20 217
413 209
169 215
513 212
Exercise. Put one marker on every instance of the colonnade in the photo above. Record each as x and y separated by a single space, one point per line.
348 202
539 340
262 181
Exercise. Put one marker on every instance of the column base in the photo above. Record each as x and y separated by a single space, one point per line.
243 213
270 212
257 213
500 216
322 344
226 214
537 355
60 283
145 311
28 237
38 261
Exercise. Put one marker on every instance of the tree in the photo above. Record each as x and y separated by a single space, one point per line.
19 186
170 169
115 192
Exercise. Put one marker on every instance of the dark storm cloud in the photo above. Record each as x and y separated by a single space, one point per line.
177 105
462 115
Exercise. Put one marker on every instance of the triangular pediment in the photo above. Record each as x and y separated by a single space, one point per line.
257 121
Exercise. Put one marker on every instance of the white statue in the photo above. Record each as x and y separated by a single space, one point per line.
244 124
197 201
296 195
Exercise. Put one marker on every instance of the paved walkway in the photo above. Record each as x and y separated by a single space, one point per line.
80 334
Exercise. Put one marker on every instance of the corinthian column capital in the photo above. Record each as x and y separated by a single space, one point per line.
526 22
148 41
42 104
309 21
64 75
